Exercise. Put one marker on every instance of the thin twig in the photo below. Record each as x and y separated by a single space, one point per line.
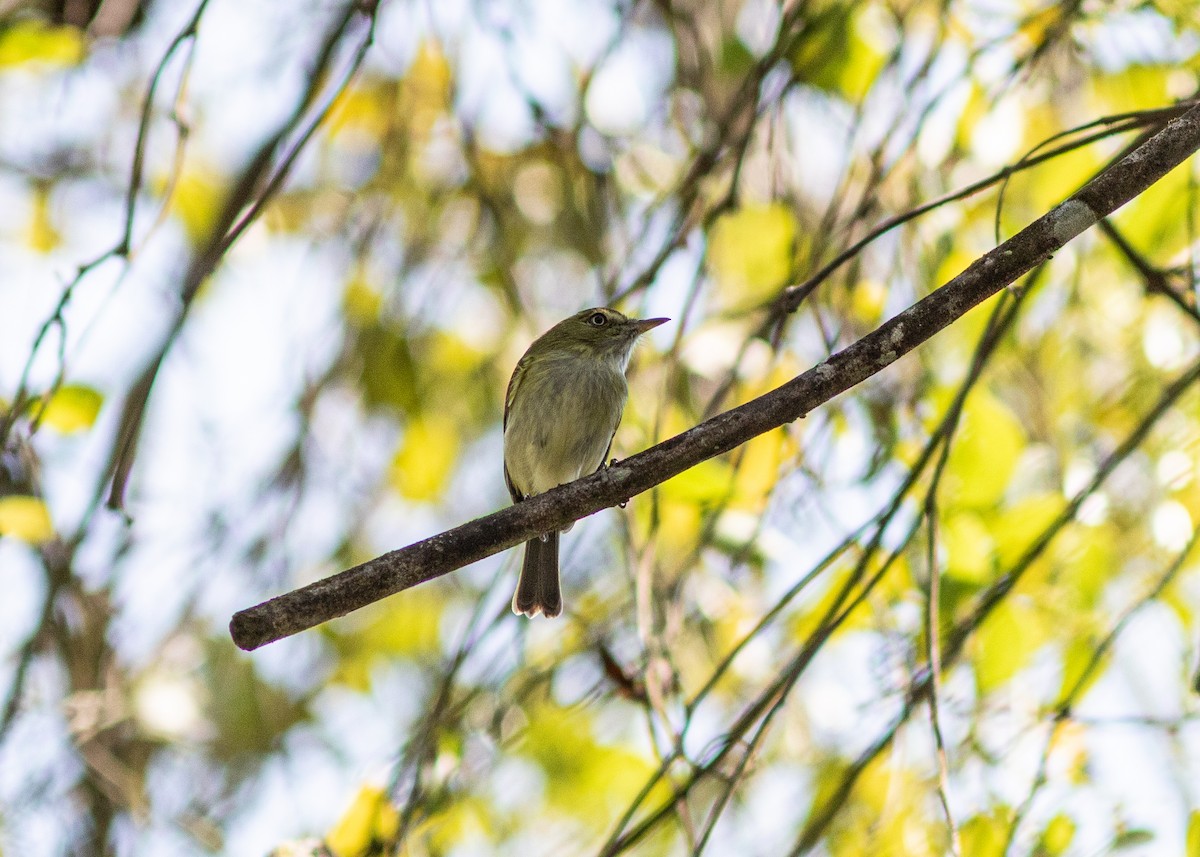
425 560
989 599
934 655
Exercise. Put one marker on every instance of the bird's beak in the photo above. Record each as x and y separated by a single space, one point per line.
644 324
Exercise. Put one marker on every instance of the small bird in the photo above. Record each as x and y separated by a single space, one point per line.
562 408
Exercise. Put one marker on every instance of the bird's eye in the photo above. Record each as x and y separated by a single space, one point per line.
598 319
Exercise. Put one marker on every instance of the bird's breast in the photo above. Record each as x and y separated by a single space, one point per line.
561 421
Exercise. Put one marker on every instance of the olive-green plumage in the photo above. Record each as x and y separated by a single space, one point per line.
563 405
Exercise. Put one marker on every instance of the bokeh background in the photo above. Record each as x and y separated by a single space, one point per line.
264 272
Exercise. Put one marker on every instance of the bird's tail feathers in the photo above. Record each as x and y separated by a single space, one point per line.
538 590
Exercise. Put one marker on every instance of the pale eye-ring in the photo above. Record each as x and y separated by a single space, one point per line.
598 319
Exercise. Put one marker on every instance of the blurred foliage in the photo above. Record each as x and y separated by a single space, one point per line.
25 518
743 665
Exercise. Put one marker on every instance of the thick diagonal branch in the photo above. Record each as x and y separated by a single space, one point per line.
400 569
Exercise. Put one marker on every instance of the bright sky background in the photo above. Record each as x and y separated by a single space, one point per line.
222 412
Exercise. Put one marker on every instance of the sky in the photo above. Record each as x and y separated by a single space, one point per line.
222 413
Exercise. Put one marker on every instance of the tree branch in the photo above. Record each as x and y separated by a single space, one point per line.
425 560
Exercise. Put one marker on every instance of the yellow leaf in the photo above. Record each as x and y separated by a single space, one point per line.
34 41
588 778
1193 833
952 264
72 408
969 548
1085 559
863 62
463 819
750 252
426 457
25 518
1057 836
807 622
678 529
426 89
1077 659
359 108
986 835
361 302
370 819
758 471
453 355
978 105
887 794
1131 88
40 232
407 625
708 482
196 202
1156 222
869 301
1005 643
1016 528
1040 26
1041 189
984 452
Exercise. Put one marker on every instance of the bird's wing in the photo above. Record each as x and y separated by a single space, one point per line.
513 383
510 394
516 495
608 448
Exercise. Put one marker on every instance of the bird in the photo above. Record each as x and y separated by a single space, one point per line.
561 410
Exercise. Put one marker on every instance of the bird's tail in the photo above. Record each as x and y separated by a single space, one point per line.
538 590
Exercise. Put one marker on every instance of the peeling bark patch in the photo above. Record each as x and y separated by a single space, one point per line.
1071 218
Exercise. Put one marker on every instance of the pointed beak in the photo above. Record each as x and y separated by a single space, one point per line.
644 324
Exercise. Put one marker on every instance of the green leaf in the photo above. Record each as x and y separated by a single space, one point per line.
735 58
836 54
822 46
1132 838
247 713
389 369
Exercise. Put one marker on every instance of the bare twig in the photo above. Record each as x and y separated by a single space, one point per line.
1063 710
337 595
248 191
934 654
794 296
989 599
